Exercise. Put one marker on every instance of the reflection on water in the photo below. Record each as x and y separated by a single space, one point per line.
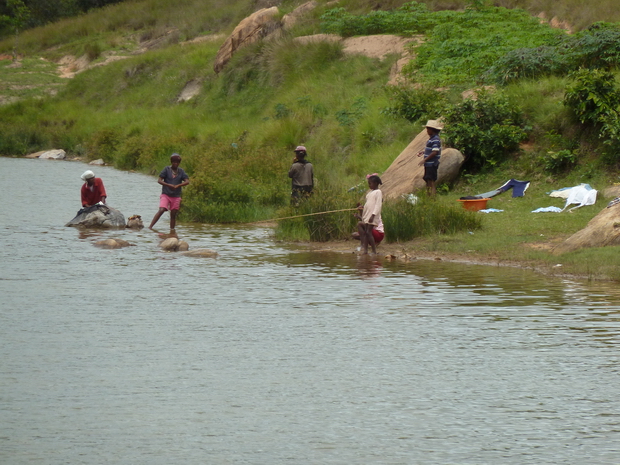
272 354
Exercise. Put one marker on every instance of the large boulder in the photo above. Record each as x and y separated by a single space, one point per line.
58 154
289 20
601 231
98 216
404 175
251 29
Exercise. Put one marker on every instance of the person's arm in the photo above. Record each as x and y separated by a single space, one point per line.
83 196
184 183
293 171
433 154
101 188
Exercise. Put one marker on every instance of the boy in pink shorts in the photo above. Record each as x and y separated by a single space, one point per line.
172 179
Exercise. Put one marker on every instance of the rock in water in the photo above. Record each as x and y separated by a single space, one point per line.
135 222
98 216
112 243
170 245
200 253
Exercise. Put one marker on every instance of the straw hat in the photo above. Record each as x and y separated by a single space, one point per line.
435 124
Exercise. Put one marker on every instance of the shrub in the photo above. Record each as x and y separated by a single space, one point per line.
486 129
404 221
527 63
597 47
593 96
594 99
558 162
412 104
324 226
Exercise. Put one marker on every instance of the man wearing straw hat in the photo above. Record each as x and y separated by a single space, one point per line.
432 154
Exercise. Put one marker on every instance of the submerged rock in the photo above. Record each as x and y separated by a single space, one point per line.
201 253
98 216
112 244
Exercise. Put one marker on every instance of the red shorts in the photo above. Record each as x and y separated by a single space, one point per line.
377 235
169 203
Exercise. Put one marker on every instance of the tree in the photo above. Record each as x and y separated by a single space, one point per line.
16 19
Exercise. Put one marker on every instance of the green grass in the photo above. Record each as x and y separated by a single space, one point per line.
28 78
517 235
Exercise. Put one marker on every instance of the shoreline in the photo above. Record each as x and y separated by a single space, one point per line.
405 252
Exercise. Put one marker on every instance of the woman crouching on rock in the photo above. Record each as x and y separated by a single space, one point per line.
370 227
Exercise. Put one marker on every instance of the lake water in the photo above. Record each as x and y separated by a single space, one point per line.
271 354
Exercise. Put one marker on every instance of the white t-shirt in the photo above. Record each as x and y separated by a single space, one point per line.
374 200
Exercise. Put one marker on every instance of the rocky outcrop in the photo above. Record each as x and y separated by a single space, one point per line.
98 216
253 28
404 175
602 230
289 20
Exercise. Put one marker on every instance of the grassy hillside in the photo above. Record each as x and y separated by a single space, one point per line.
236 137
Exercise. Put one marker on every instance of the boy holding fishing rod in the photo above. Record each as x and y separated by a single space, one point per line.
370 227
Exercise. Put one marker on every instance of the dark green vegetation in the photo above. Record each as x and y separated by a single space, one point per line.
552 115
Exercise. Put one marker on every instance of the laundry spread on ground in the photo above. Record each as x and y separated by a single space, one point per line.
581 195
518 190
547 210
490 210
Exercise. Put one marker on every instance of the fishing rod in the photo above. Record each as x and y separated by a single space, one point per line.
299 216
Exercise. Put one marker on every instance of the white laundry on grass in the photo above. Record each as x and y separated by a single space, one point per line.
582 195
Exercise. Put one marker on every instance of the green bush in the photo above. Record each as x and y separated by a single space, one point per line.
404 221
413 103
593 96
486 130
321 227
527 63
597 47
558 162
